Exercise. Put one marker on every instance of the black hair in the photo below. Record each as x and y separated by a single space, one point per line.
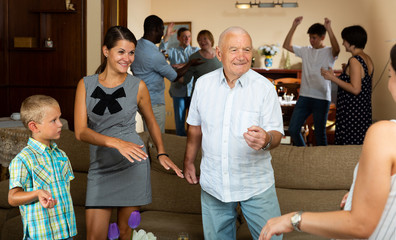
393 57
318 29
152 23
181 30
355 35
113 35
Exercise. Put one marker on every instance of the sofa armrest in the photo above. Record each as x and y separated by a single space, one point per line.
4 185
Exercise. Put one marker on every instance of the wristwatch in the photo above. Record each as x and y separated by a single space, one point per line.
268 145
296 220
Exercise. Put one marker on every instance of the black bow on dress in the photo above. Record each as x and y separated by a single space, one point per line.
107 101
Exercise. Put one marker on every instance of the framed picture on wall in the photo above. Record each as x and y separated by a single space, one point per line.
173 42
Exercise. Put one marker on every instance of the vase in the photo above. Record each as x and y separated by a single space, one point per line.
268 61
287 61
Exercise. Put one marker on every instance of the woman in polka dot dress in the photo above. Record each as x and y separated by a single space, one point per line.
353 116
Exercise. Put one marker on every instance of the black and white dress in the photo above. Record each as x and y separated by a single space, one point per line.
113 181
353 116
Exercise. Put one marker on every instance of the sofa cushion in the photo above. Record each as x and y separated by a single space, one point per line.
312 167
175 146
12 229
77 151
173 194
291 200
4 186
78 188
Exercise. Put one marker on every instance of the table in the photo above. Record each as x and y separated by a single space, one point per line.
287 111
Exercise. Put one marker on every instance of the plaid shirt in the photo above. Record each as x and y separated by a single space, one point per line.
38 166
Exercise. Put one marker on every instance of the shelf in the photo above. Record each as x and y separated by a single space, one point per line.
35 49
53 11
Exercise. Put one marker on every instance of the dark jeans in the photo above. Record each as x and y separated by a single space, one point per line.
304 107
180 106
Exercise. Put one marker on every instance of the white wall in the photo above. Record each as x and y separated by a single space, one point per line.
93 35
268 26
382 38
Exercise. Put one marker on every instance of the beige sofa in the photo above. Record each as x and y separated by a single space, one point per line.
310 179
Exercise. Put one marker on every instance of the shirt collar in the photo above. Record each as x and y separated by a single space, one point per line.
242 81
40 147
184 49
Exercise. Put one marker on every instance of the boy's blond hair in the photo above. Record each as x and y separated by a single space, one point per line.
33 108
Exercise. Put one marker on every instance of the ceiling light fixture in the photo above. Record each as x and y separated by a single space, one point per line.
266 4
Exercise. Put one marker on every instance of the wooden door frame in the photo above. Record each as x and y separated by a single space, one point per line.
114 12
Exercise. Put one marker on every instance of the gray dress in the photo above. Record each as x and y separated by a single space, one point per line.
113 181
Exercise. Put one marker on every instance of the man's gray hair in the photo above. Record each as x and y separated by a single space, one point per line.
233 29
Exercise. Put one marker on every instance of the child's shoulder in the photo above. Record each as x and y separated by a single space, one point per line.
25 154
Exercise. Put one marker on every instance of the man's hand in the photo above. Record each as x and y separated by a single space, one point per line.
189 173
256 137
178 66
327 23
169 31
297 21
45 199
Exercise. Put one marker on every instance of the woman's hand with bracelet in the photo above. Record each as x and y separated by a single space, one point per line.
167 163
130 150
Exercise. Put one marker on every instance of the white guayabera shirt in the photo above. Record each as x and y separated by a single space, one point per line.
231 170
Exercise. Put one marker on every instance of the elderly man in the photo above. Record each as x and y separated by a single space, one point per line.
236 116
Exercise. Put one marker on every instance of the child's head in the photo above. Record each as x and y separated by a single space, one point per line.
355 35
33 108
41 115
317 33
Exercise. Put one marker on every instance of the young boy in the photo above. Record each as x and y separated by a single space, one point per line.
40 175
315 91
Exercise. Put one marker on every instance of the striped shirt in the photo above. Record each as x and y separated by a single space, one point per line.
38 166
386 228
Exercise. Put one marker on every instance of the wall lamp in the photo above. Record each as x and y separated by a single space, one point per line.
266 4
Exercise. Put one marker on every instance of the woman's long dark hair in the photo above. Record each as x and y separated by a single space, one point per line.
393 57
113 35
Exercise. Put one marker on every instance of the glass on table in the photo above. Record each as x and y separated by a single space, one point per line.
281 91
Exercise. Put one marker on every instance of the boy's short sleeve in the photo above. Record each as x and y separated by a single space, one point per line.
297 51
18 173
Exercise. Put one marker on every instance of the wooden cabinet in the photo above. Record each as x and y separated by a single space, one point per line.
279 73
50 71
283 73
45 29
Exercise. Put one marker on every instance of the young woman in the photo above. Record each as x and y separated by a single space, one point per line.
105 109
353 116
372 213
